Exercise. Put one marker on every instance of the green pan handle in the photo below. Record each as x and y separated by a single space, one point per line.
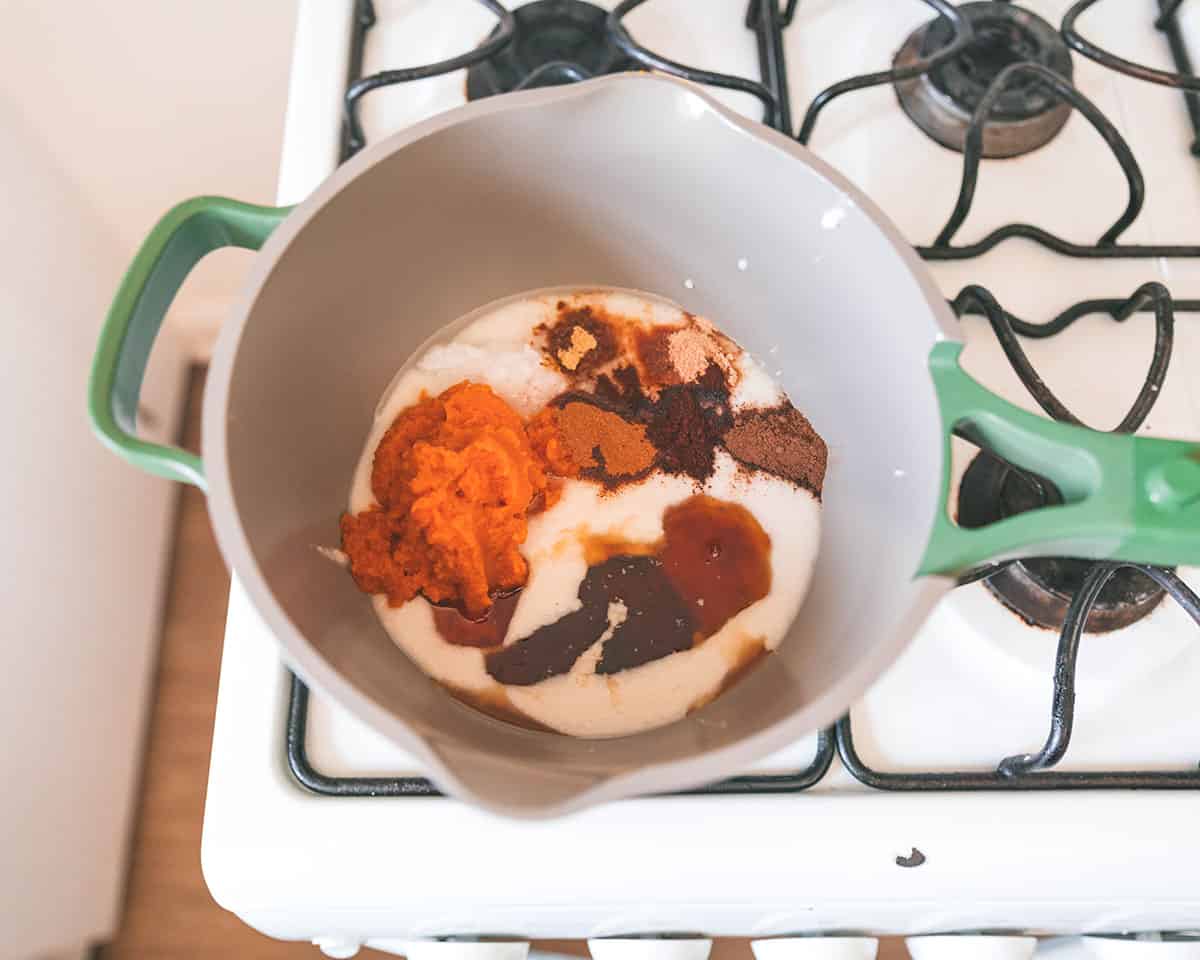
187 232
1124 497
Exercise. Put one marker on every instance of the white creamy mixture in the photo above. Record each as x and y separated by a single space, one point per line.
497 348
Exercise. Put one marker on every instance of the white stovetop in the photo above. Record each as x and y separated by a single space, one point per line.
974 686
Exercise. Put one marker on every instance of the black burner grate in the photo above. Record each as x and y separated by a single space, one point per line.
768 19
1182 77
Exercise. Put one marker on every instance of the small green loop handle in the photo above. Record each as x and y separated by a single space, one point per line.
1124 497
178 241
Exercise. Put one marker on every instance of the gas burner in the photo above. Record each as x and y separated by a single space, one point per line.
941 102
1040 590
555 42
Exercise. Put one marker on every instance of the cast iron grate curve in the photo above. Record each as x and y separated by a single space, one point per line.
1183 77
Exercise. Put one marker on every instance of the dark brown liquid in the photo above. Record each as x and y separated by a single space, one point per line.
718 558
488 632
553 649
713 562
656 617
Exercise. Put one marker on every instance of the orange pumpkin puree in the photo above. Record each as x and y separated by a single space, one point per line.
546 434
456 477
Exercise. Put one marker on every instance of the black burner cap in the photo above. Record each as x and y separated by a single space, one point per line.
555 42
1040 590
941 102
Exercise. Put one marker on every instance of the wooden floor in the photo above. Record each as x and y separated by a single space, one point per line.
168 912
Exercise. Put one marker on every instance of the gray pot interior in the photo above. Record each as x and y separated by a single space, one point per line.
632 182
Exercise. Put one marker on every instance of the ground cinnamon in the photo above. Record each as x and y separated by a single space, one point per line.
602 439
621 431
780 441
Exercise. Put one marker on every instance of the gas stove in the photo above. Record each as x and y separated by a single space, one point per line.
1040 160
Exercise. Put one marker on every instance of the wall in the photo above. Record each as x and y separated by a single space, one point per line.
85 541
146 102
109 113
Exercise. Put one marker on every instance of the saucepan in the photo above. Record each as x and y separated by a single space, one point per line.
635 181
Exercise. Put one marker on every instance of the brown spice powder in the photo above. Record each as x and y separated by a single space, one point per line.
780 441
580 340
684 432
672 355
601 439
687 422
654 353
691 351
680 416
